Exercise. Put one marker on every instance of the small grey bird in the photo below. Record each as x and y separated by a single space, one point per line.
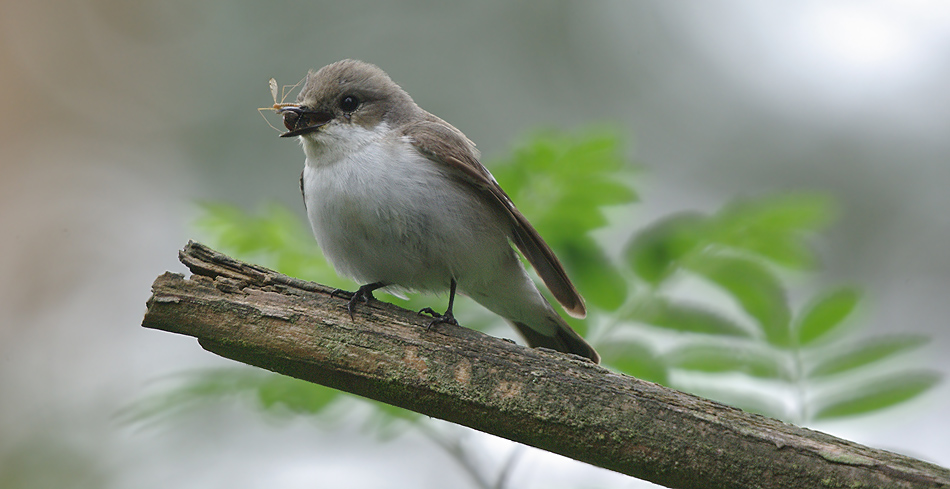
398 198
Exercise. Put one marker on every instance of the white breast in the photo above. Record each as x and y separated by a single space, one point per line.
381 212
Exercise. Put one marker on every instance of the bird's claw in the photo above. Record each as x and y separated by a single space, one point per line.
341 293
446 318
364 294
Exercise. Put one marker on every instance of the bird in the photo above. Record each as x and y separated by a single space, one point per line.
397 198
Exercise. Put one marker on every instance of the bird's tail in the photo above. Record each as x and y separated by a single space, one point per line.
564 340
509 292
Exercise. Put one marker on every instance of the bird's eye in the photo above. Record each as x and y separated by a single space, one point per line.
349 103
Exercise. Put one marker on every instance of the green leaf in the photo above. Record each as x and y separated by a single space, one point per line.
825 313
775 227
785 213
635 359
727 358
275 237
593 274
296 395
656 251
562 184
779 248
687 318
878 394
865 353
215 385
754 287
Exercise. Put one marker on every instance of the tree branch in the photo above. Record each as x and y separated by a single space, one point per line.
545 399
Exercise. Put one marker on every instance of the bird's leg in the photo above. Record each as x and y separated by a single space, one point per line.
364 293
447 318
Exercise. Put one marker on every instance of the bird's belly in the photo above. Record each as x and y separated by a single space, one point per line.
408 226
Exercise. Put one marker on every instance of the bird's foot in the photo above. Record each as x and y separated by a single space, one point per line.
364 294
341 293
446 318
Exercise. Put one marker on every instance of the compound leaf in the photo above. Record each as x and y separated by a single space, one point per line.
878 394
685 317
727 358
825 313
865 353
635 359
656 251
755 288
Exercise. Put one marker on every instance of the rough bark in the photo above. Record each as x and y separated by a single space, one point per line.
545 399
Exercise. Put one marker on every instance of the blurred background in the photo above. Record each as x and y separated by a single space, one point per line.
120 116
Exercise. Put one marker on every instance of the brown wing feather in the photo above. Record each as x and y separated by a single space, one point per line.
564 339
442 143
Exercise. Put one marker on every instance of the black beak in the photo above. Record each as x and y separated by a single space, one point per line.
300 120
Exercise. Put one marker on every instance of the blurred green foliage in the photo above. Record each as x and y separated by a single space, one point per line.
645 318
747 251
564 184
274 237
